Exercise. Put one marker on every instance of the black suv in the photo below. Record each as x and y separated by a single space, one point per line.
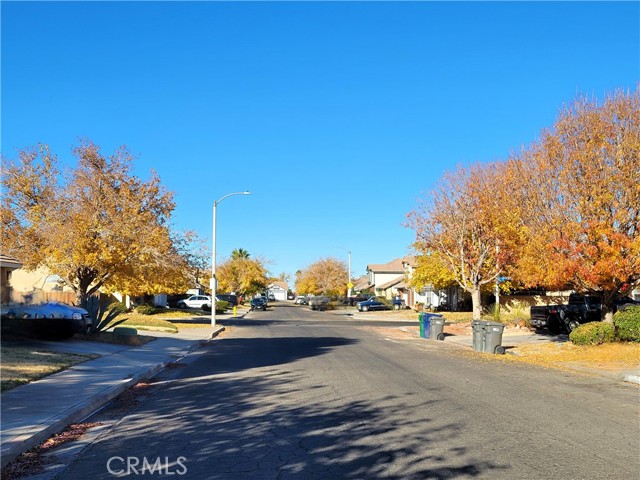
232 300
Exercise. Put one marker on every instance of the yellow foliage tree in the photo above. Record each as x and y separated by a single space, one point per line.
431 270
242 275
327 276
97 225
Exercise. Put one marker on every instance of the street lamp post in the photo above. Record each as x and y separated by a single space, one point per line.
349 274
214 280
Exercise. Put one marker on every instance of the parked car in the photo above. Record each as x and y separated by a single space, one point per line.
232 300
271 297
318 303
258 303
51 319
195 301
580 309
172 300
359 298
301 300
373 303
290 296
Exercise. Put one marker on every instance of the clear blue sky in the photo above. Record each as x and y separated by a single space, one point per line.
337 116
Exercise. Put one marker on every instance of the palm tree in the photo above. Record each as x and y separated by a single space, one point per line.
239 253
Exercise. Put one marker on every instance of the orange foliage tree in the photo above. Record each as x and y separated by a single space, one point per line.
580 188
466 227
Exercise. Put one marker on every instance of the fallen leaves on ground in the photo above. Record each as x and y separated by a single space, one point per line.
608 356
33 461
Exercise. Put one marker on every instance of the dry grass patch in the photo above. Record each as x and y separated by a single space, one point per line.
23 364
171 320
146 322
452 317
609 356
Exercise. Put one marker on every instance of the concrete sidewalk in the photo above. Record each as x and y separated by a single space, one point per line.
34 412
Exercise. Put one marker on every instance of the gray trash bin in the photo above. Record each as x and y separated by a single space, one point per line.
493 337
426 324
478 335
437 327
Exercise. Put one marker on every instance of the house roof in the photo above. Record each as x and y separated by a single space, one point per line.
9 262
361 283
282 285
394 266
391 283
410 260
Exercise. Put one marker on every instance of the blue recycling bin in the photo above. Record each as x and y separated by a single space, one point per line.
425 323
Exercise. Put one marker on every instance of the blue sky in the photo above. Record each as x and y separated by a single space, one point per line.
336 116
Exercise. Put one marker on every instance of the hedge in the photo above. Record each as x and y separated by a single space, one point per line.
627 323
593 333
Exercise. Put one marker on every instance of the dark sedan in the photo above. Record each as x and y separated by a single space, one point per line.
374 303
258 303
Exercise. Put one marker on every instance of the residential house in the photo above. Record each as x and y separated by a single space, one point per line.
388 279
278 290
361 284
7 266
40 285
453 298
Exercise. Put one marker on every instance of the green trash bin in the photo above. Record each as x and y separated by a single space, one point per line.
421 320
493 337
437 327
426 325
478 335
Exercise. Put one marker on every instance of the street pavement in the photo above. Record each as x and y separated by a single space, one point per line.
34 412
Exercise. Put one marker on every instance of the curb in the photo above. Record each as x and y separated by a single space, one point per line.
23 443
632 379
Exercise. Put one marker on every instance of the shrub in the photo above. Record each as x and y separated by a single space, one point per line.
103 315
593 333
145 309
221 306
518 310
627 324
118 308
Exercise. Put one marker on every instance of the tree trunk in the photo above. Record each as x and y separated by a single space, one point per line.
477 303
608 317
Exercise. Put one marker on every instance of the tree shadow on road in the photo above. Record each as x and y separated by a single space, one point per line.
247 409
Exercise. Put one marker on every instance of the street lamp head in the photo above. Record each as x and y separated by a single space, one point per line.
246 192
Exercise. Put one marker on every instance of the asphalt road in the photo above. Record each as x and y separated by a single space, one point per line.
295 394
